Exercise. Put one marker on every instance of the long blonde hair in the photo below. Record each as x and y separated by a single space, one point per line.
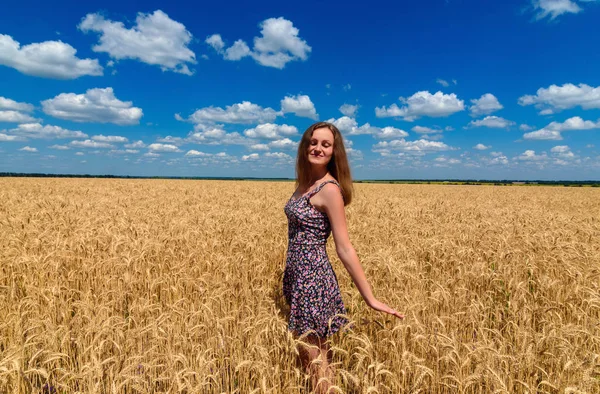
338 166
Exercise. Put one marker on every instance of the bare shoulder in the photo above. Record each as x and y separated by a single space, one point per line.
332 194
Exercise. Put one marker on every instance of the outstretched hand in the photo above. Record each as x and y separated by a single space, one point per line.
381 307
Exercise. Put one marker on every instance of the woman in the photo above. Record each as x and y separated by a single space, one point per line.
310 285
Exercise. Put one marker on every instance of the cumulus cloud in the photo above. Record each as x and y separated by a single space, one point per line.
485 105
481 147
563 151
557 98
155 39
242 113
195 153
301 105
554 129
530 155
285 144
16 117
259 147
28 149
492 122
36 130
7 104
91 144
426 130
543 134
271 131
418 146
423 104
96 105
278 45
137 144
278 156
216 136
349 110
251 157
163 148
48 59
554 8
11 138
349 126
109 138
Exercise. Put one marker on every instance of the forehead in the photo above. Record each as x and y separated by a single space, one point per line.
322 133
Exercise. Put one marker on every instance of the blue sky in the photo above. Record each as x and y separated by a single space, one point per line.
429 89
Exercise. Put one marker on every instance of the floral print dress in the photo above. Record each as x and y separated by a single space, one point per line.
310 285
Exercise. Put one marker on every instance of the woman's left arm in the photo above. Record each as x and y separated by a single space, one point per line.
334 208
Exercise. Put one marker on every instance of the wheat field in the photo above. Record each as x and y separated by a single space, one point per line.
174 286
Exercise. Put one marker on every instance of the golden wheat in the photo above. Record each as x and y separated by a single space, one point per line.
148 286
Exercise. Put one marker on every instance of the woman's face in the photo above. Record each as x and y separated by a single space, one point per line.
320 148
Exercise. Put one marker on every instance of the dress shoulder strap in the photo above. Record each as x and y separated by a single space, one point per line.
318 188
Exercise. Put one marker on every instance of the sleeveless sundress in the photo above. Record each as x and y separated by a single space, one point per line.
310 285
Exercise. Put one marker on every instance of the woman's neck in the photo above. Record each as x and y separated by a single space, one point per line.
318 174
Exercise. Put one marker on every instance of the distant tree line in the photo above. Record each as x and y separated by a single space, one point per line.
504 182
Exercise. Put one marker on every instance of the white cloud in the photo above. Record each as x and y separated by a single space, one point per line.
278 45
172 140
442 82
237 51
349 110
251 157
28 149
354 154
563 151
16 117
423 104
418 146
216 136
259 147
574 123
49 59
301 105
109 138
529 155
216 42
557 98
347 87
553 130
525 127
137 144
285 143
91 144
279 156
242 113
12 105
485 105
59 147
163 148
554 8
96 105
11 138
349 126
426 130
195 153
271 131
389 132
481 147
492 122
543 134
36 130
155 39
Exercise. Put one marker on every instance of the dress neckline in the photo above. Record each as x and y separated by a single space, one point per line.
309 192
